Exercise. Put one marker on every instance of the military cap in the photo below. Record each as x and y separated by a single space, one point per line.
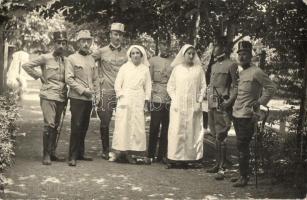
84 34
60 35
118 27
245 46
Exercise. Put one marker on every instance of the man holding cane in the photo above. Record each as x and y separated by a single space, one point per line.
250 96
53 93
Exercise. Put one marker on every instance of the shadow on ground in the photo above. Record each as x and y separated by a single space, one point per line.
100 179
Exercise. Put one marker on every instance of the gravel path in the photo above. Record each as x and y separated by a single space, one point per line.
100 179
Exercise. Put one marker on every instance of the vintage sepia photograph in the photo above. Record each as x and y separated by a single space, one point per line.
153 99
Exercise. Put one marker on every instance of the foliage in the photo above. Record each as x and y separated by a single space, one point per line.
279 157
33 30
8 117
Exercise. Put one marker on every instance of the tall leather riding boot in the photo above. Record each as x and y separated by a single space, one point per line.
215 168
46 149
221 168
53 137
223 156
104 134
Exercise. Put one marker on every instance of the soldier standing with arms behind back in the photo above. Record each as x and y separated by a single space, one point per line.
53 93
251 84
221 95
111 58
81 76
160 70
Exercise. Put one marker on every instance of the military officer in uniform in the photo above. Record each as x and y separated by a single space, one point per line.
110 58
250 96
53 93
160 71
222 92
81 77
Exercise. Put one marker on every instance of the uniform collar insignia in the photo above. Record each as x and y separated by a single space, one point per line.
112 47
220 57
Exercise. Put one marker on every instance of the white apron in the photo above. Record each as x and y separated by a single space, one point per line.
133 87
185 136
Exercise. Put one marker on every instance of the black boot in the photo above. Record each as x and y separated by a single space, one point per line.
223 155
221 173
130 159
46 149
242 182
216 167
53 139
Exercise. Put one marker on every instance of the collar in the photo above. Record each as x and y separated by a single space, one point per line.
84 53
58 57
165 55
112 47
220 58
247 66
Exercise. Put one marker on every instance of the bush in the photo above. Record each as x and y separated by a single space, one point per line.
280 157
8 117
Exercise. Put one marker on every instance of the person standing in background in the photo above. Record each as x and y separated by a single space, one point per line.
16 75
160 70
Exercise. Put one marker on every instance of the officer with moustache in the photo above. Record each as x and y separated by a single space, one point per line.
53 92
110 58
250 96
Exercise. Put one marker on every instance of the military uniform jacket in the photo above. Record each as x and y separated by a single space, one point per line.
160 71
223 81
111 60
53 70
251 82
80 73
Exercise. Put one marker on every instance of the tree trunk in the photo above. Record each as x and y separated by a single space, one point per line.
197 22
156 39
2 75
303 106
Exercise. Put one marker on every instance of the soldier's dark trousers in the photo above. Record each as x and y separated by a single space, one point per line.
52 111
244 128
80 118
159 116
205 120
105 113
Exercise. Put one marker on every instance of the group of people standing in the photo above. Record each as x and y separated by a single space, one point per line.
173 90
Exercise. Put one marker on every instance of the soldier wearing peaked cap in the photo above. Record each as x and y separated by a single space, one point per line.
81 76
53 93
250 96
110 58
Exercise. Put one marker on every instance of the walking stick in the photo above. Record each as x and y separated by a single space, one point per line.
94 112
256 151
256 132
61 124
